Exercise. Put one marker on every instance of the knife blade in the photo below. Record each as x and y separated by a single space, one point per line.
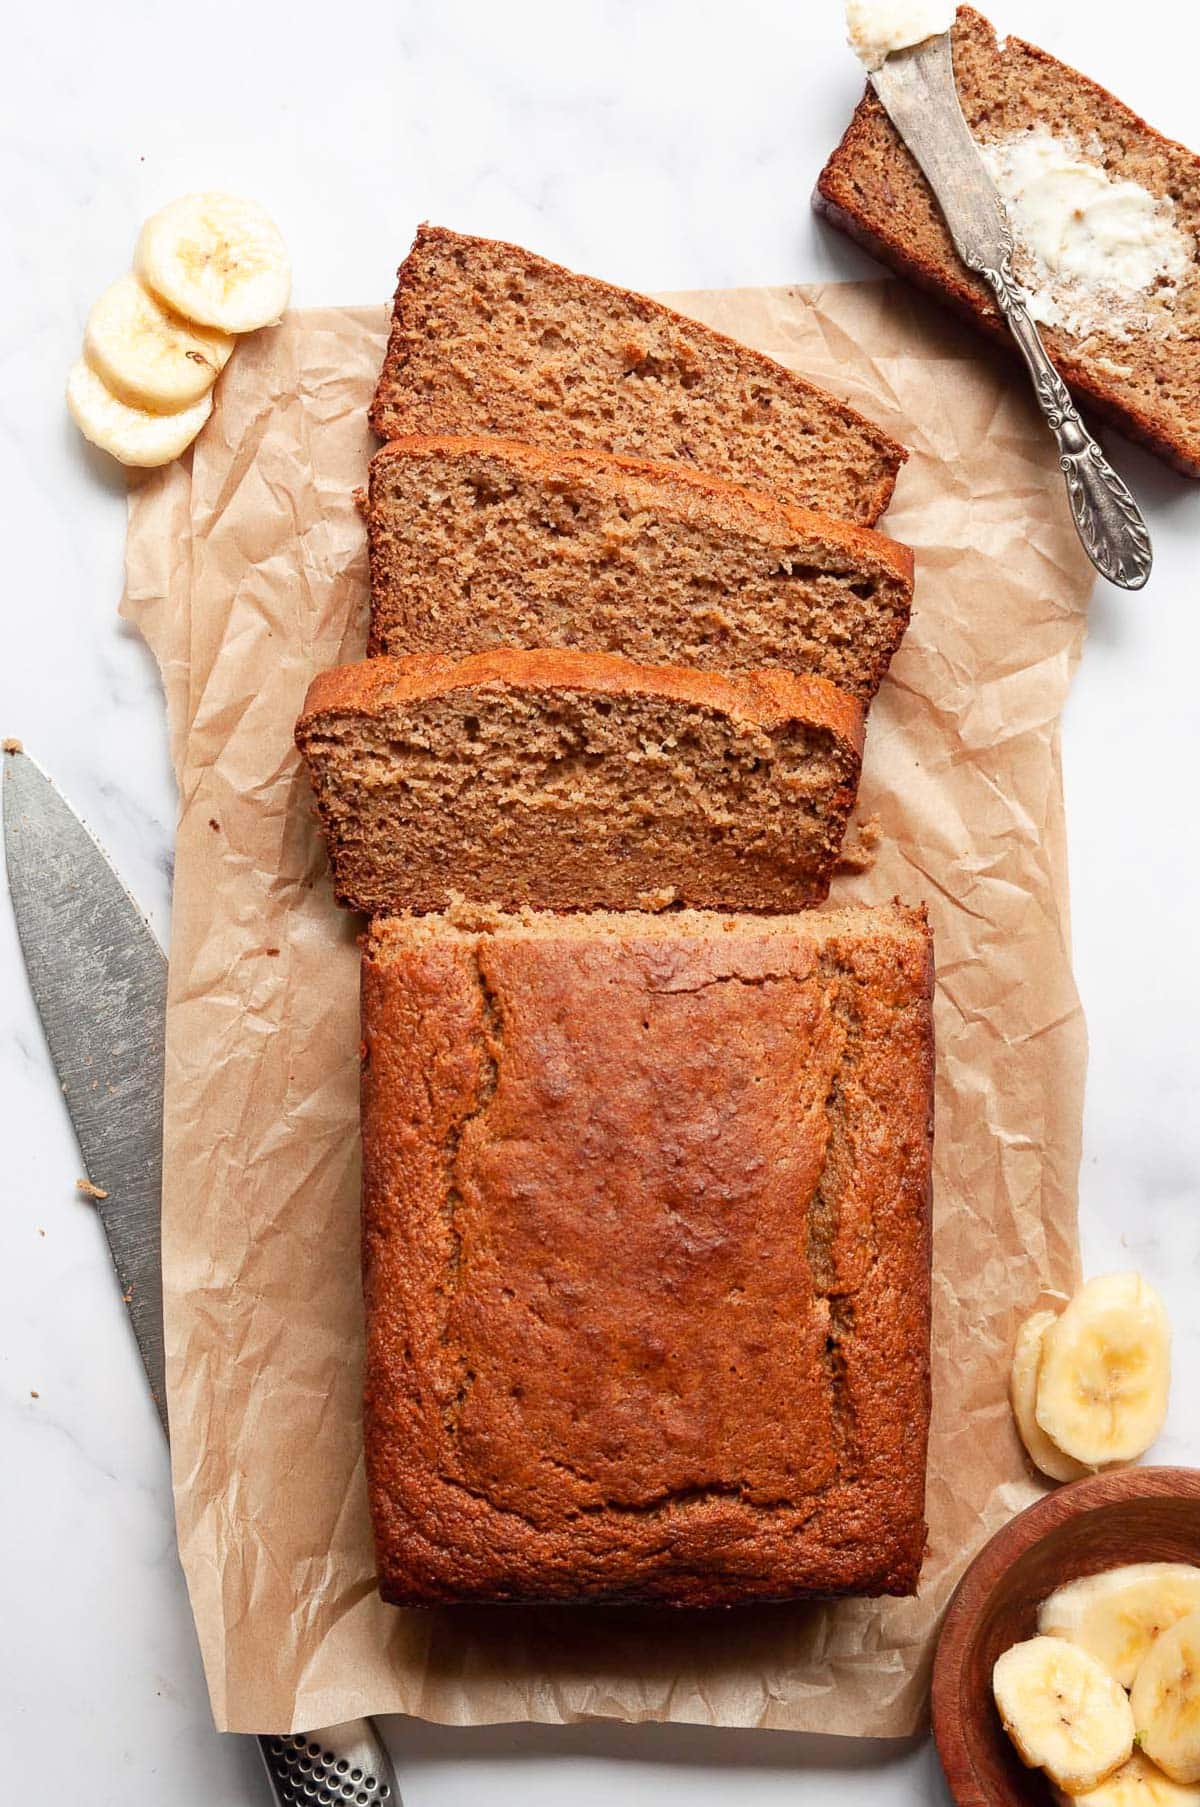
99 980
918 90
916 86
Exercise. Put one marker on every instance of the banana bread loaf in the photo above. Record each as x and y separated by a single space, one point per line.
564 780
1128 344
480 542
488 338
646 1250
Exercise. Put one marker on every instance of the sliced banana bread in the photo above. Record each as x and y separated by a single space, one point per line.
568 781
480 542
488 338
1131 347
646 1241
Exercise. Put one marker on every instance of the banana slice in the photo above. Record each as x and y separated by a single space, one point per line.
1063 1711
1136 1784
1117 1616
130 434
1105 1371
1027 1357
1166 1701
218 260
149 357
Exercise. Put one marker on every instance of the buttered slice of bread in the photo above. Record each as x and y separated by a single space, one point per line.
488 338
1115 282
570 781
478 543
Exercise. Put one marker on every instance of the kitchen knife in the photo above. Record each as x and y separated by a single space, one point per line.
99 980
917 88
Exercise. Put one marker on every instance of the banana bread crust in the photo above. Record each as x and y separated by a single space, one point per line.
872 189
767 698
646 1256
630 376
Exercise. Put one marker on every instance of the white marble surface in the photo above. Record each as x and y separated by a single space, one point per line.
665 144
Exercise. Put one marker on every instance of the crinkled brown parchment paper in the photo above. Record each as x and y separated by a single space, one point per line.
247 574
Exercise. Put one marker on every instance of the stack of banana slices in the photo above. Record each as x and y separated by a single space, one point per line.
1089 1384
1106 1698
207 267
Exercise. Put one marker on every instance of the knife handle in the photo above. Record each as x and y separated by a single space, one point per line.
1107 518
335 1766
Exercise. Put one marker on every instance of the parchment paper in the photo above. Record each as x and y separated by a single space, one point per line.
246 573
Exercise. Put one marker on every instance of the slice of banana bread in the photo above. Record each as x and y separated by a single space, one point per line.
481 542
568 781
646 1255
488 338
1132 353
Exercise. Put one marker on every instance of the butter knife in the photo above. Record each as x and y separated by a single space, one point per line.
917 88
99 980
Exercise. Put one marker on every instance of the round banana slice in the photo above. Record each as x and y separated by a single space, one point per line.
130 434
149 357
1105 1371
1023 1379
218 260
1137 1783
1118 1616
1166 1701
1063 1711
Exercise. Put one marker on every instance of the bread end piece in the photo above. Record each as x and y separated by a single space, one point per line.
598 1371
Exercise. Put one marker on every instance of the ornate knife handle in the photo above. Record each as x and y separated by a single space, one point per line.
337 1766
1107 518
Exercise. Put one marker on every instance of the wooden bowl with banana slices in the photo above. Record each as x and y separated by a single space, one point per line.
1103 1534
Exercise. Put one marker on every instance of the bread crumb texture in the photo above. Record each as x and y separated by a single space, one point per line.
564 780
477 543
488 338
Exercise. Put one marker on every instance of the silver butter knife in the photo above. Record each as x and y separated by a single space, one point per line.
917 88
99 980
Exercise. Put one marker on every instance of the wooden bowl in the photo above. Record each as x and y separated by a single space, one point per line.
1131 1515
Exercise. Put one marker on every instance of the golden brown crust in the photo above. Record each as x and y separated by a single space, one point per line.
765 698
646 1255
399 408
879 214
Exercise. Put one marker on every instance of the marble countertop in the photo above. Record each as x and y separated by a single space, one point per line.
665 145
